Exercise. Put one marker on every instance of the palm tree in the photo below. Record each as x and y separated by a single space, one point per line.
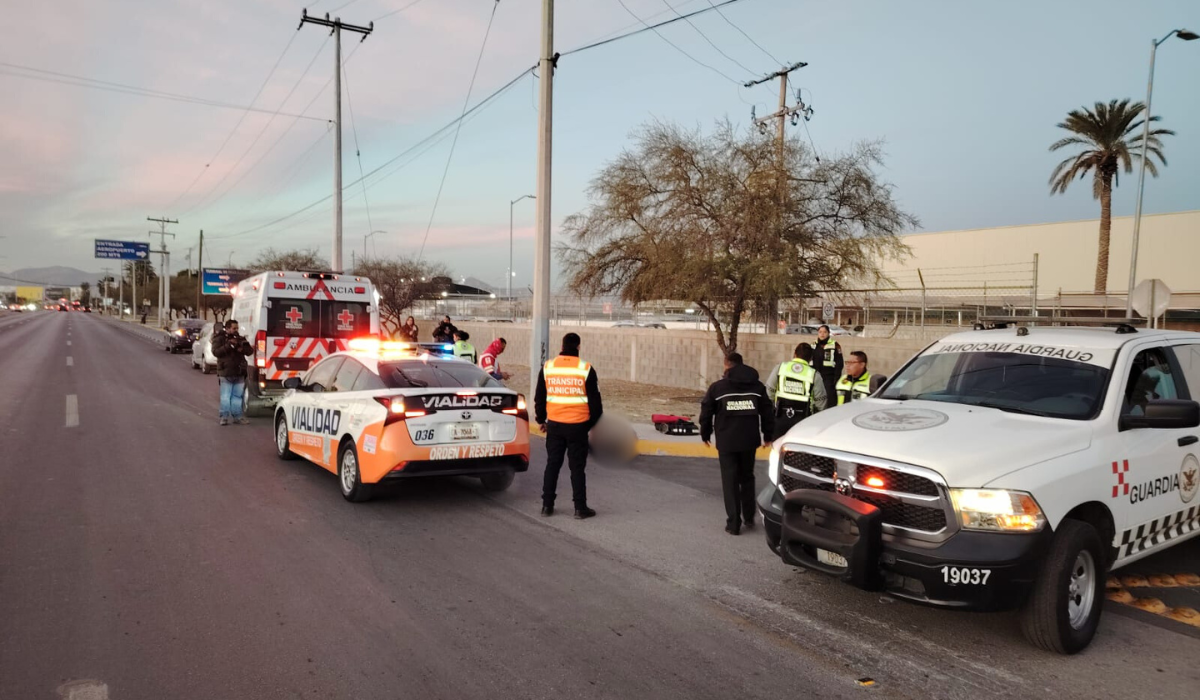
1105 133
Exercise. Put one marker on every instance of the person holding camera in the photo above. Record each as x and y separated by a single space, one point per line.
231 351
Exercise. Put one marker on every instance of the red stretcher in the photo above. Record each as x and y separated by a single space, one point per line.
674 425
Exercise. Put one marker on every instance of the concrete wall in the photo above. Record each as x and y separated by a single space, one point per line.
674 358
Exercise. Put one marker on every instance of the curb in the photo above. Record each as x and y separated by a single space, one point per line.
685 449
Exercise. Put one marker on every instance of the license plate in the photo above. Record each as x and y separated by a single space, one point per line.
832 558
464 431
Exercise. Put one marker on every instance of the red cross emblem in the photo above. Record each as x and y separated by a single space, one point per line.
344 320
294 315
1120 470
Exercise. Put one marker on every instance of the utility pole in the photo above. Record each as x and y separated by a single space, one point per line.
200 270
164 279
105 297
336 26
539 331
785 112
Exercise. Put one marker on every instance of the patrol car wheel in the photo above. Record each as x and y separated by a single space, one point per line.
353 489
282 445
1063 609
497 481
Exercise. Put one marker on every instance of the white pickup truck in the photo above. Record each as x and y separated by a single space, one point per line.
1000 469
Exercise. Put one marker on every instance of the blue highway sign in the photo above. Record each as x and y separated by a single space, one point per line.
220 281
122 250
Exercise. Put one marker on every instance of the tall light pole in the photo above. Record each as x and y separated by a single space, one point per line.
510 247
365 242
1137 212
539 330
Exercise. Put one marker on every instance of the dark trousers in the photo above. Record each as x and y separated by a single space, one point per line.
788 414
737 481
569 440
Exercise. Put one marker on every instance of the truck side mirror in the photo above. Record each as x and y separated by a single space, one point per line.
292 383
1164 414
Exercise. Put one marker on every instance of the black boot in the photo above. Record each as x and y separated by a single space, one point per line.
733 529
583 512
547 511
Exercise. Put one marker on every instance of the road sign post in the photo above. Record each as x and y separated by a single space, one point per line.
121 250
219 281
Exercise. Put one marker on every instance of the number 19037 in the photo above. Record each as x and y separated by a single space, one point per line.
955 575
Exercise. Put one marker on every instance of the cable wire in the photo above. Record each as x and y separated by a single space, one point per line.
96 84
645 27
394 12
457 129
237 126
748 37
357 151
258 136
710 41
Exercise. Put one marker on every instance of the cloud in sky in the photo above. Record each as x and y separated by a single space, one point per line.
966 114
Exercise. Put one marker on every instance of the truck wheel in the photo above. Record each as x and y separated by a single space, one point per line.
282 444
497 481
1063 609
353 489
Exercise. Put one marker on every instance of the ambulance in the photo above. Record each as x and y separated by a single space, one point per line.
293 320
386 411
1010 468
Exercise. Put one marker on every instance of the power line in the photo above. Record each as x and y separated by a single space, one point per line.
676 46
457 129
394 12
441 132
96 84
357 151
705 37
748 37
237 126
258 136
646 27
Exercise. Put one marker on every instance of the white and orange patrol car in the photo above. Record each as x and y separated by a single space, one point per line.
383 411
295 319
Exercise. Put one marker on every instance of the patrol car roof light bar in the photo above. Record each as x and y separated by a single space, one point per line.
1120 324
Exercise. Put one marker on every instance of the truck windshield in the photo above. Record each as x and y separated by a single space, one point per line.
1014 382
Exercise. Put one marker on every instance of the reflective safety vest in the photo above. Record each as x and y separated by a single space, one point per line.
566 389
827 354
464 350
795 381
848 390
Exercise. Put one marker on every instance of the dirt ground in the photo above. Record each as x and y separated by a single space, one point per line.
633 400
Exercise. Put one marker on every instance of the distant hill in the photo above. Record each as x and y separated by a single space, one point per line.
57 276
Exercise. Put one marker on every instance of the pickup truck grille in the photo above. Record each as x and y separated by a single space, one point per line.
907 500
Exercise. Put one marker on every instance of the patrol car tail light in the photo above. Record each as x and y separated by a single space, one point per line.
396 409
521 411
997 510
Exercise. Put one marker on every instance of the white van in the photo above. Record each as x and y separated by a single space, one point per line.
294 319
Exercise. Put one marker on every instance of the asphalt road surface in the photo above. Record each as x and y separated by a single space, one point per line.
146 552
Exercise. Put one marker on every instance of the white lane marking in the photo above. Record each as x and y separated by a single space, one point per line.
68 342
83 690
70 361
72 411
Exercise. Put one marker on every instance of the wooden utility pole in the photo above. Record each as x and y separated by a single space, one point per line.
783 114
336 26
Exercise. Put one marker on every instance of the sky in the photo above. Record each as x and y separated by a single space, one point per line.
965 97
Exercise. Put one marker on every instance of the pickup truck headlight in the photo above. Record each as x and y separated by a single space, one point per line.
773 466
997 510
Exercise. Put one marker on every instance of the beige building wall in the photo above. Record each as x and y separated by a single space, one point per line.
1169 249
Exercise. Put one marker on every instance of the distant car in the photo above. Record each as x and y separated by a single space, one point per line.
202 357
631 324
183 334
811 329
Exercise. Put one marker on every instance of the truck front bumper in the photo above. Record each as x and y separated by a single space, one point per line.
970 570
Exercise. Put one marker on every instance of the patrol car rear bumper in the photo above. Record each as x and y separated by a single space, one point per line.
916 572
462 467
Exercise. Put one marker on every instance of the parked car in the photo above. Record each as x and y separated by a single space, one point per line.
202 357
183 334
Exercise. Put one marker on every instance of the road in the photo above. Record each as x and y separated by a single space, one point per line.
147 551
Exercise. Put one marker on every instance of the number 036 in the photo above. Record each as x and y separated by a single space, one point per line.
956 575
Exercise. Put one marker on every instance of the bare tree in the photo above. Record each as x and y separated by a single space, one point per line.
271 259
717 221
400 282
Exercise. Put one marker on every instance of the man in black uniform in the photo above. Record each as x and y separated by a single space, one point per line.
827 360
744 420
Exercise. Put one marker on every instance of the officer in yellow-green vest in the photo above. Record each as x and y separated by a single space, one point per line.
463 349
827 360
856 383
796 390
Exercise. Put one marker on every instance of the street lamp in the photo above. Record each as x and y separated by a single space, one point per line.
510 246
365 242
1137 213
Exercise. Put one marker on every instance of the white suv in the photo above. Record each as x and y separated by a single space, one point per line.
1000 469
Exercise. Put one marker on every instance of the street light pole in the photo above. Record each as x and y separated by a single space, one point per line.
510 248
1137 211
